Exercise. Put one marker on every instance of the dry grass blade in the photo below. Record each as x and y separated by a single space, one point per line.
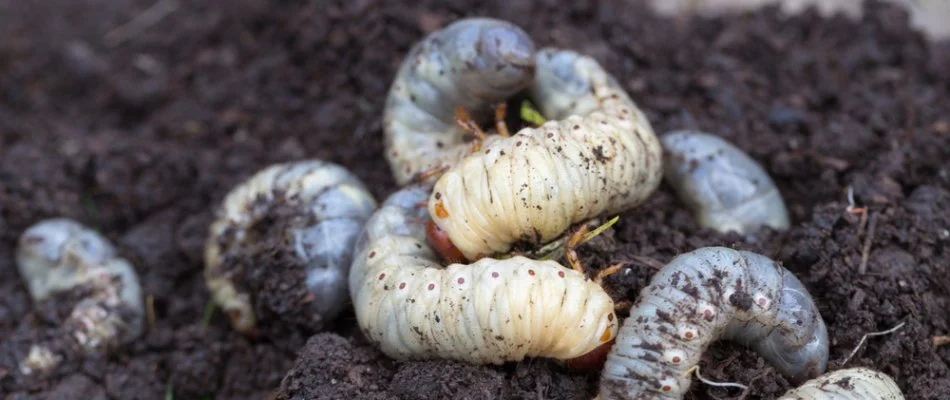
140 23
555 250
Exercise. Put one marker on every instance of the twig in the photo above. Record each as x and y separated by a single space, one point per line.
853 209
695 369
209 312
151 16
150 311
865 251
745 393
650 262
865 338
941 340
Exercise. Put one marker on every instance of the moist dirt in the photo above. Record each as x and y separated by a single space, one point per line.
140 130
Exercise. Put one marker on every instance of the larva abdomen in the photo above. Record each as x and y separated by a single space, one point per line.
491 311
470 63
600 157
330 206
725 188
847 384
705 295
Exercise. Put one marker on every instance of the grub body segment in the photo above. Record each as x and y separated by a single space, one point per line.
597 155
488 312
848 384
703 296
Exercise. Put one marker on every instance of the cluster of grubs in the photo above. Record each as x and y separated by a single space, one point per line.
467 203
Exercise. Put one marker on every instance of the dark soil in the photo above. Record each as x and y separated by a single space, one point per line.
140 135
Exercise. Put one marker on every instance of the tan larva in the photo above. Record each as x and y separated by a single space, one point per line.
598 156
58 255
337 205
705 295
725 188
491 311
470 63
847 384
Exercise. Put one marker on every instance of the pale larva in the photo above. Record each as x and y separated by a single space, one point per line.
332 205
470 63
847 384
599 156
58 255
726 189
491 311
705 295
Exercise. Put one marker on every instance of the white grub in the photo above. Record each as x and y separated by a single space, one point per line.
489 312
470 63
58 255
597 155
725 188
847 384
703 296
339 204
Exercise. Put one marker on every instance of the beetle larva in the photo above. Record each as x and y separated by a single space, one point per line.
726 189
58 255
847 384
599 156
705 295
470 63
491 311
334 204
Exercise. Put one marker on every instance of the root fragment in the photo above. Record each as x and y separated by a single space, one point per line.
695 369
865 338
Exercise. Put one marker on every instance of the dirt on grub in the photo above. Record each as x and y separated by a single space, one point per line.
283 305
139 131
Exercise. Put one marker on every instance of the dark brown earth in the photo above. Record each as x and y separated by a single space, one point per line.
140 134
